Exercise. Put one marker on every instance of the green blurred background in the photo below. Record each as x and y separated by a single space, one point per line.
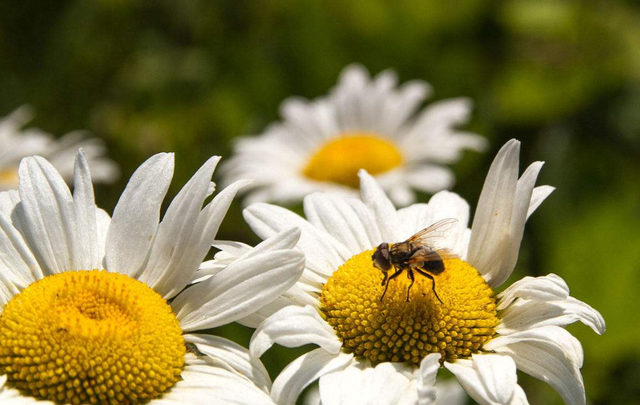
189 76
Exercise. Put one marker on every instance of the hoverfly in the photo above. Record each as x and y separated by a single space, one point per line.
418 253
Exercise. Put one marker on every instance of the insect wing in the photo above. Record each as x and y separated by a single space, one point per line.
432 234
425 254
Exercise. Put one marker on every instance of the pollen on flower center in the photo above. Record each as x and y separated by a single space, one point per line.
338 161
90 337
400 331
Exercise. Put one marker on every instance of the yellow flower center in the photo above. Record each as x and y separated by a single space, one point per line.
9 177
90 337
339 160
400 331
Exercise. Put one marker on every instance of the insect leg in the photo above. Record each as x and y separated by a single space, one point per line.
394 275
413 280
429 276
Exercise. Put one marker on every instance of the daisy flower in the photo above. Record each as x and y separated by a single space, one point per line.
16 143
85 316
370 345
364 122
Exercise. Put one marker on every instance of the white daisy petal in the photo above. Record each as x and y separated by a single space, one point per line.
19 266
488 378
492 221
303 371
323 252
429 366
229 252
260 315
449 392
554 335
8 201
548 353
382 208
60 153
286 239
233 356
469 140
307 119
430 178
49 215
201 384
518 218
413 218
437 117
546 288
236 291
294 296
401 195
529 314
236 249
519 397
450 205
538 195
346 95
8 290
84 201
442 205
382 102
387 383
103 222
136 216
434 137
197 231
398 110
347 219
174 241
294 326
211 216
289 192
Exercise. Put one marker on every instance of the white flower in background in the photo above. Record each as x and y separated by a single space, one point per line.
84 314
16 143
391 349
364 122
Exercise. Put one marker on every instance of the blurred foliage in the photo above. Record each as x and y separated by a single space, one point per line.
189 76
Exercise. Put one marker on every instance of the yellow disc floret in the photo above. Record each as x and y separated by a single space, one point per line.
338 161
90 337
9 177
398 330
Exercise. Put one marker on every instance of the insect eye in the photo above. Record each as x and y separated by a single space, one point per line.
381 257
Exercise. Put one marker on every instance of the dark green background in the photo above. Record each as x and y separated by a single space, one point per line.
188 76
